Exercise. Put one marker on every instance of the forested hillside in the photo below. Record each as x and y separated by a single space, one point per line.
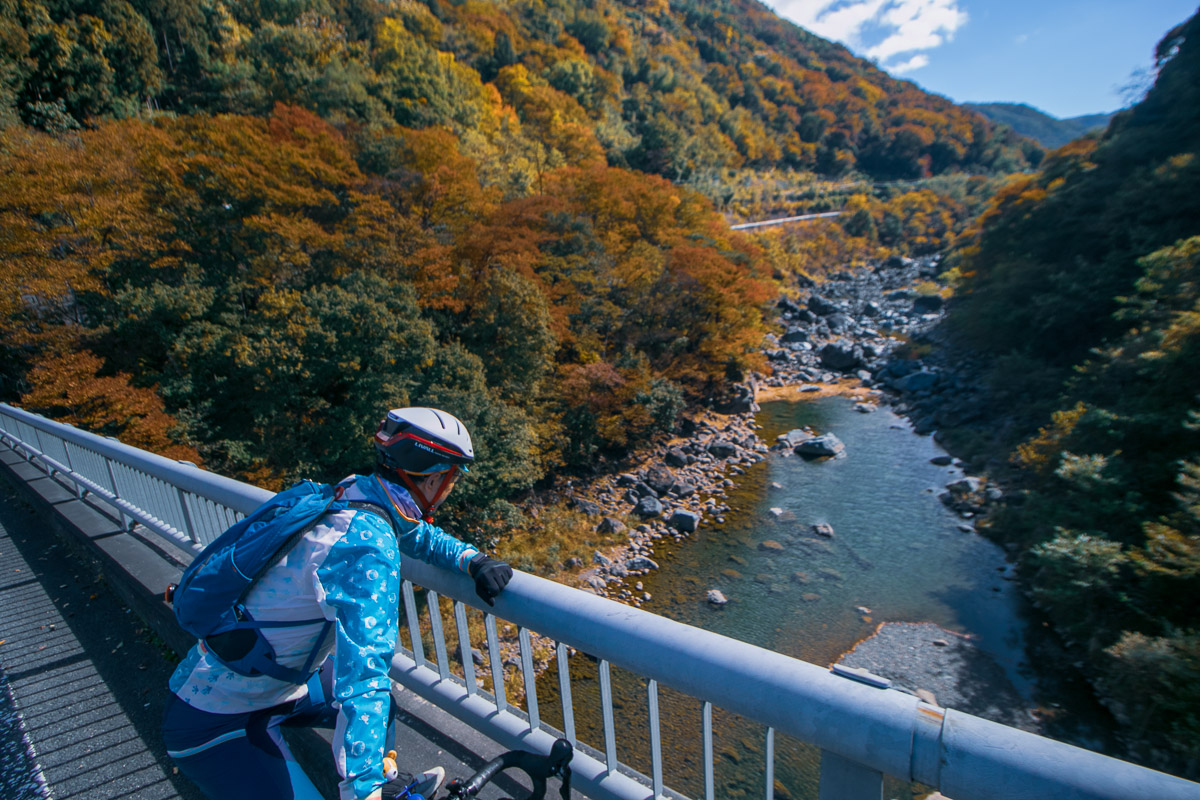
1082 288
233 232
675 89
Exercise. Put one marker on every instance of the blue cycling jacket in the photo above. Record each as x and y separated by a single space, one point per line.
345 571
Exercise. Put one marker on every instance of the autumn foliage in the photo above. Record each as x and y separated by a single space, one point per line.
252 291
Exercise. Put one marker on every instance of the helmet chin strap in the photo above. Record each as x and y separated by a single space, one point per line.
429 504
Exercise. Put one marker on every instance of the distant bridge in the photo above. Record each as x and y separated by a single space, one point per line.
781 220
863 732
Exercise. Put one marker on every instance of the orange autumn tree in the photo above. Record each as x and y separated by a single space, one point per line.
72 208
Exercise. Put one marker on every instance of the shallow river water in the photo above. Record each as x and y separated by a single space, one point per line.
897 554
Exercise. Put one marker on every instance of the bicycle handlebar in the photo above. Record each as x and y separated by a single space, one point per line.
538 768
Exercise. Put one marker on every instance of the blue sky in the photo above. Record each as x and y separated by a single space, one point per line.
1065 57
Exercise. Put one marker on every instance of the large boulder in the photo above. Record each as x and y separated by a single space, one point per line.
839 322
840 356
795 437
683 520
640 563
965 486
675 457
821 446
587 506
610 525
922 381
660 479
716 598
821 307
648 507
722 449
794 336
682 489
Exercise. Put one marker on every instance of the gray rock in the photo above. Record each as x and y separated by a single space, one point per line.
660 479
681 489
686 521
965 486
587 506
941 461
839 322
722 449
820 306
601 559
641 489
610 525
917 382
840 356
795 436
648 507
716 598
639 563
675 457
823 529
821 446
794 336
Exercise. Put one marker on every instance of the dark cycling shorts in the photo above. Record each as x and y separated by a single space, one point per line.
236 756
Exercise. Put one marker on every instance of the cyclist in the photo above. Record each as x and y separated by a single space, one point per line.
222 728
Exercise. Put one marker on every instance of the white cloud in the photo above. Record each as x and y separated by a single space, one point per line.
916 62
895 33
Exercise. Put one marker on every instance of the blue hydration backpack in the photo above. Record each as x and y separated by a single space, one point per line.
209 599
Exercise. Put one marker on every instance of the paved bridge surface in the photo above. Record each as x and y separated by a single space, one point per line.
83 680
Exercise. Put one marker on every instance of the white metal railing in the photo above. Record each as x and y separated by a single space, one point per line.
863 732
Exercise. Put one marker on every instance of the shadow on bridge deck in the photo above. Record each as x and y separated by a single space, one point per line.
87 646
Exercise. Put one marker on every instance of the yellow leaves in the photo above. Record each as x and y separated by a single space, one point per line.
1040 453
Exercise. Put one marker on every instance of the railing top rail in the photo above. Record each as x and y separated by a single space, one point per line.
231 493
884 729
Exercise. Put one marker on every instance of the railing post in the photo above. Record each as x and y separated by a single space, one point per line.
706 722
842 779
126 524
187 514
656 763
770 766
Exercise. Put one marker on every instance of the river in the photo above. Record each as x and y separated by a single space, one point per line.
897 554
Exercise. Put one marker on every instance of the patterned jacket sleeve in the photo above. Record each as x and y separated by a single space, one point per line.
360 577
427 542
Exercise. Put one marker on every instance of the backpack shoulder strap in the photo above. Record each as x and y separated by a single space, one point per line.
370 508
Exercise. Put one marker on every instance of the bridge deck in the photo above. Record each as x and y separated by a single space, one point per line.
86 661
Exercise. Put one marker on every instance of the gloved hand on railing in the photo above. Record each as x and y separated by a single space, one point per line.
491 576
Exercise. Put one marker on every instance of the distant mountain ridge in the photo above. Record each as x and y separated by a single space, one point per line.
1050 132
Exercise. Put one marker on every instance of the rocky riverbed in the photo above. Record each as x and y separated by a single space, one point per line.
942 668
849 335
846 335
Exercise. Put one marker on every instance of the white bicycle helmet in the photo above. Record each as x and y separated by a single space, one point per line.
422 441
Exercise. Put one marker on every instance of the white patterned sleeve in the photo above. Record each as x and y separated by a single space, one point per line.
361 580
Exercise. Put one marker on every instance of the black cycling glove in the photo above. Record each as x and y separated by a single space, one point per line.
491 576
